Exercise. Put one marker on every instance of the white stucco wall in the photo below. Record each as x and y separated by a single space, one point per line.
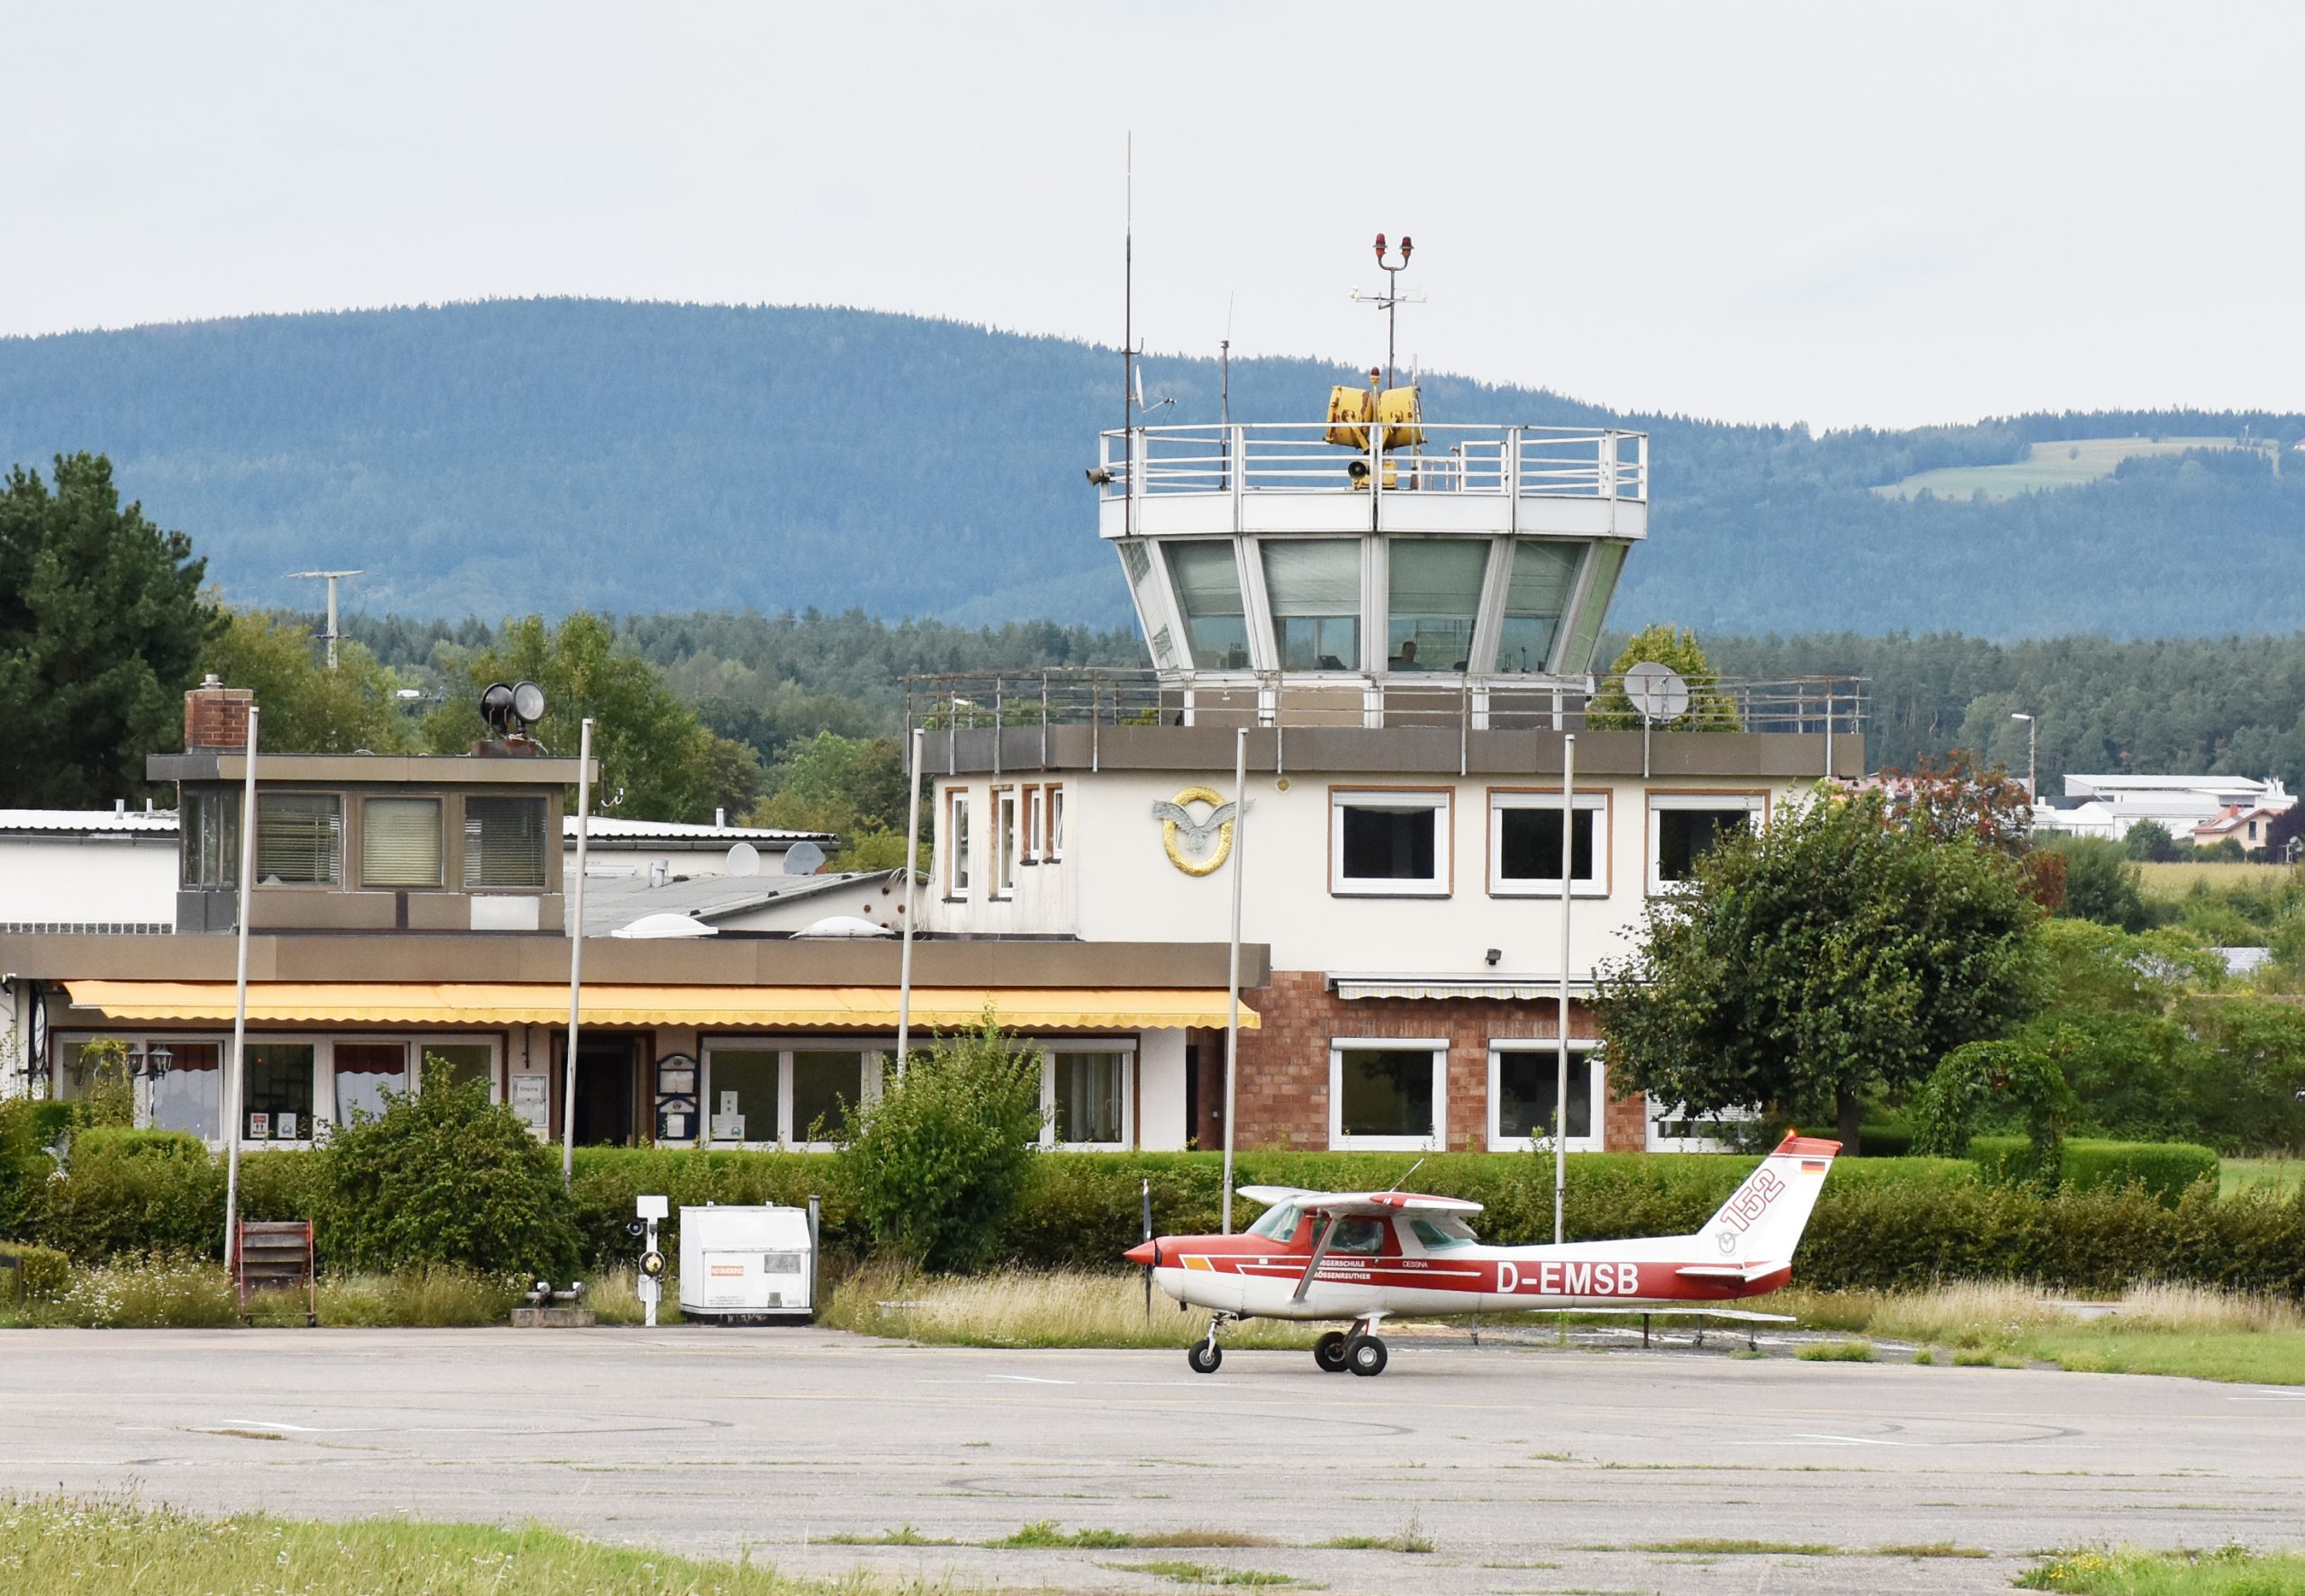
1161 1091
78 879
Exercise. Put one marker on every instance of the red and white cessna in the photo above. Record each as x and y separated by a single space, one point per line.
1360 1256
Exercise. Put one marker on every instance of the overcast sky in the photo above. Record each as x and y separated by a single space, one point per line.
1846 214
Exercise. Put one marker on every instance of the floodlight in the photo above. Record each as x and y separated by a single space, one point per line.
1099 477
496 705
528 701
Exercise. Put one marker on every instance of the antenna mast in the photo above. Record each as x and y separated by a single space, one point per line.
1128 323
1392 298
332 578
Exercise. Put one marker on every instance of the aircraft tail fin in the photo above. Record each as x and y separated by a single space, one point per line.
1763 1219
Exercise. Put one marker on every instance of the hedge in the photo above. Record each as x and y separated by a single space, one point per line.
1882 1222
33 1273
2167 1169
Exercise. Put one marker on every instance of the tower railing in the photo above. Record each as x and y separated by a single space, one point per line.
1502 462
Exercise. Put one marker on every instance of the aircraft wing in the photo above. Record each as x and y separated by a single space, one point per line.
1350 1205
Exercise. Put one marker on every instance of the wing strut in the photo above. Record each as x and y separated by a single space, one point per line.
1320 1251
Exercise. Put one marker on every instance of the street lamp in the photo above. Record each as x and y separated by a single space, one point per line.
2032 757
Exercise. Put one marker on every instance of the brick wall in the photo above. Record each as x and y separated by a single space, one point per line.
1284 1086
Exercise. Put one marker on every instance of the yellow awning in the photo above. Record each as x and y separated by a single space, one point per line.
454 1004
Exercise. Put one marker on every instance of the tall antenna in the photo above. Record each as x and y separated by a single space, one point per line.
1128 325
1392 298
332 578
1224 366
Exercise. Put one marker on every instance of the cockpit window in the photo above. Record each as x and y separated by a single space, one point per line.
1276 1221
1439 1236
1359 1235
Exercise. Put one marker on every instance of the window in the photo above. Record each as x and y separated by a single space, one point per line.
1314 586
1207 582
1055 834
299 839
210 827
1607 560
190 1096
464 1062
1137 560
365 1070
956 838
1524 844
1439 1235
1682 826
1004 842
1388 1095
1385 842
1523 1083
400 841
1434 592
504 844
277 1091
765 1093
1088 1098
1544 575
1036 821
1276 1223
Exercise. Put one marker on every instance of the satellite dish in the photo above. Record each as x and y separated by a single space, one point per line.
528 701
1656 692
744 859
804 858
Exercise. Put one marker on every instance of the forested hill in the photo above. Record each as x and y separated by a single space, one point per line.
559 453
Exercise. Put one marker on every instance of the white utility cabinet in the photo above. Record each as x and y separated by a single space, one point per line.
747 1263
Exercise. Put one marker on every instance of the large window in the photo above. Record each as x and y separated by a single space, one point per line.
400 841
1314 586
1137 561
1524 844
1086 1097
299 839
1524 1085
1433 594
504 844
1390 844
210 822
277 1092
1607 560
1682 826
190 1096
1387 1095
364 1072
796 1093
1544 575
1207 582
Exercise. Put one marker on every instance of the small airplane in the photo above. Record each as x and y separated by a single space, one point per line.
1361 1255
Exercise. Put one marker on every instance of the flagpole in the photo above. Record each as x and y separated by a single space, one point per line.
911 905
1233 965
1561 1046
577 953
233 1075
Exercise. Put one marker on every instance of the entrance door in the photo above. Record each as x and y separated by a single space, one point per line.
605 1091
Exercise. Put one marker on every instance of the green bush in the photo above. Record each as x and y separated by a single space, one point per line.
24 1165
127 1196
932 1168
443 1175
33 1273
2167 1170
122 1139
1886 1141
608 1178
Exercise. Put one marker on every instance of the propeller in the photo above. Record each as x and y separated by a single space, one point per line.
1147 1187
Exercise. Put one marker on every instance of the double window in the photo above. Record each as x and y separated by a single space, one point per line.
1084 1087
1524 844
793 1093
1525 1087
1385 843
1388 1096
1684 827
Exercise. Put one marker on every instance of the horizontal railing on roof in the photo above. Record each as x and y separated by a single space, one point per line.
1833 706
1296 457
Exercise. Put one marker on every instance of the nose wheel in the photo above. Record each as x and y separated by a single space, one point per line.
1207 1355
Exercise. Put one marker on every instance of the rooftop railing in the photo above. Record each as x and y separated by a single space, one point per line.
1833 706
1296 457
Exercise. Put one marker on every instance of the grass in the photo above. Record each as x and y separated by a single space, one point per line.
1058 1308
1203 1574
2235 1175
175 1292
2065 464
614 1298
1045 1535
1935 1548
111 1548
905 1535
2176 878
1715 1548
2232 1570
1836 1352
1412 1539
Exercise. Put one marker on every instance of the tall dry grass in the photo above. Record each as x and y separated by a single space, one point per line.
1058 1308
1999 1313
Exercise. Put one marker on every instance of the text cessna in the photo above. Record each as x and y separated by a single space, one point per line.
1359 1257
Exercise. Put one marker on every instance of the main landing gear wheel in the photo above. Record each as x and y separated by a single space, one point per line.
1203 1357
1365 1355
1329 1352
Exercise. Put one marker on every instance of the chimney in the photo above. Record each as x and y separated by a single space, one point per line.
216 715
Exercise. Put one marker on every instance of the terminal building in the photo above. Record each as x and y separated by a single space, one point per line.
1401 618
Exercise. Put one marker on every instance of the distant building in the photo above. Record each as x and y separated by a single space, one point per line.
2252 826
2108 805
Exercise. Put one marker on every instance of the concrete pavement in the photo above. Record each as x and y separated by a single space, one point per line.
1527 1469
